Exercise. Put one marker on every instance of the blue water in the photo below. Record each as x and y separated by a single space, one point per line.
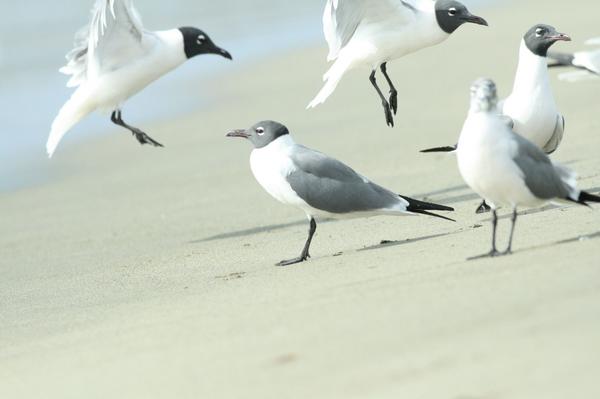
34 39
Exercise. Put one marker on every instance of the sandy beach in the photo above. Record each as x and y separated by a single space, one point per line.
149 273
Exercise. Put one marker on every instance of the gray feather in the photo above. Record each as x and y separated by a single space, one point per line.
542 177
329 185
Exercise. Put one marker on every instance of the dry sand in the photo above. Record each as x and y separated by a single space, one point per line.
148 273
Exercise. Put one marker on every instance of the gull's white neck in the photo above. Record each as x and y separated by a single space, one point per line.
532 72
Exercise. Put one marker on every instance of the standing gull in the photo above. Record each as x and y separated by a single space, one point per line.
588 62
506 169
530 110
373 32
319 185
114 58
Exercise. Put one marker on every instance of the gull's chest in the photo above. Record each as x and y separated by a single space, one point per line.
271 169
533 111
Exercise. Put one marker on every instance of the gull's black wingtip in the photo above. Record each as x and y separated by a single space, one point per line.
449 148
423 208
585 197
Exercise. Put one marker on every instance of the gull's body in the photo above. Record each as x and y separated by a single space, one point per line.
506 169
530 110
114 58
370 33
531 106
317 184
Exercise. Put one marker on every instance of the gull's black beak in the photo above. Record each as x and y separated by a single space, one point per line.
219 51
238 133
557 37
222 53
474 19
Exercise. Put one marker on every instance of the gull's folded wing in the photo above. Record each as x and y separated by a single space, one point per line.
542 177
327 184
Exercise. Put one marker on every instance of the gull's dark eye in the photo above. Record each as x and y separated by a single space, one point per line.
260 131
452 11
539 32
201 39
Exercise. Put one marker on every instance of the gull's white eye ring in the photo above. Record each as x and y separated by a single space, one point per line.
539 32
260 131
452 11
201 39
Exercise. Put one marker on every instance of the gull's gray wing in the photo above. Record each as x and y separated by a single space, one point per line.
557 136
342 17
113 37
329 185
544 179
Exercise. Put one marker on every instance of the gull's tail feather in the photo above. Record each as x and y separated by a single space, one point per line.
70 114
585 197
420 207
332 79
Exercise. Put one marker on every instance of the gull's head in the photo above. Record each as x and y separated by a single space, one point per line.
541 37
451 15
196 42
484 97
262 133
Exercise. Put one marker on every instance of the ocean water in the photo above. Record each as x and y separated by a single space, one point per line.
35 36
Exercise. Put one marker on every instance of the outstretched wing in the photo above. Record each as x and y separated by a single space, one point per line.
342 18
114 36
328 184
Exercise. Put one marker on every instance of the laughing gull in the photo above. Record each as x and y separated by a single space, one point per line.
114 58
373 32
319 185
588 62
531 110
506 169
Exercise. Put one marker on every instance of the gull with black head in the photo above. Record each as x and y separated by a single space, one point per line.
373 32
319 185
506 169
115 58
531 110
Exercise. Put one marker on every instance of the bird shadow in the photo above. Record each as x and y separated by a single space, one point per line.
566 241
254 230
447 200
389 244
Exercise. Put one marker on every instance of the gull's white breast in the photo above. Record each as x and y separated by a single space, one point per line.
271 165
486 161
531 104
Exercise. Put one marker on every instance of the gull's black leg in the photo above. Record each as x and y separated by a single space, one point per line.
393 91
142 137
494 251
512 232
483 208
386 106
304 255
